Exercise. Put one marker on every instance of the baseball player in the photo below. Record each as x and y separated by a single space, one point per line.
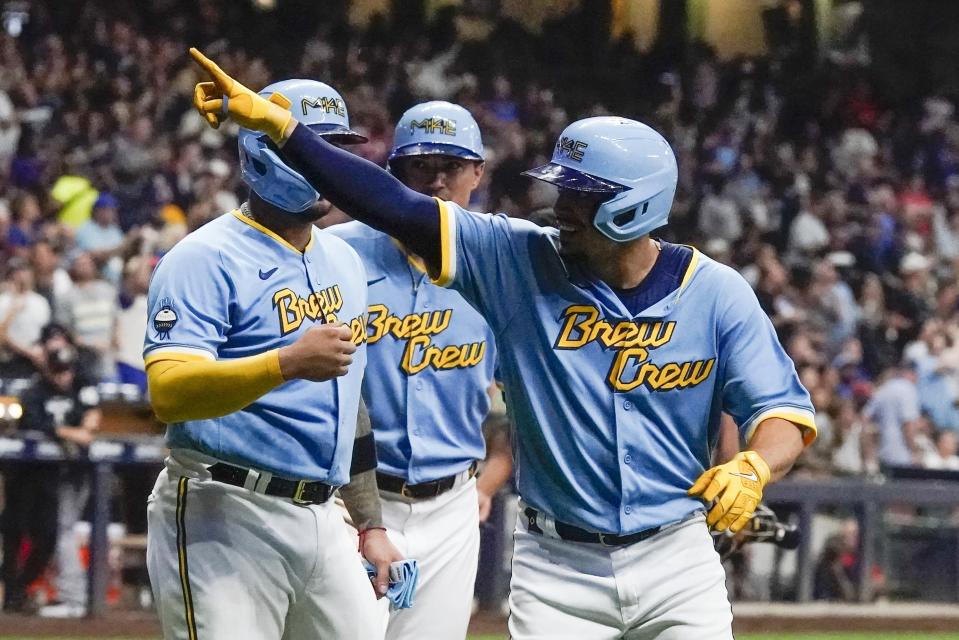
618 353
430 360
254 356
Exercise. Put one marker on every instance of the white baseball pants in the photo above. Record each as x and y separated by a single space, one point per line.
442 534
228 563
668 587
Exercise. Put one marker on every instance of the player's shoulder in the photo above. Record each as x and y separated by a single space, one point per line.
712 279
335 245
353 230
712 271
365 240
503 224
204 245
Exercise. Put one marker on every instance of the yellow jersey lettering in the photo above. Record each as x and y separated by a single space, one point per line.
414 344
579 318
625 359
284 301
378 314
292 310
421 353
358 329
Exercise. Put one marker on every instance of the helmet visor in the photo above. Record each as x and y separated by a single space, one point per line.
568 178
435 149
338 134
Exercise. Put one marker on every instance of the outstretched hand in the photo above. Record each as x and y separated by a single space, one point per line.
225 97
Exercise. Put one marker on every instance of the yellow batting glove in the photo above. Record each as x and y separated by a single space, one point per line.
224 97
736 487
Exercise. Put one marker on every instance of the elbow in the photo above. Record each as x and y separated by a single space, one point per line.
163 399
165 410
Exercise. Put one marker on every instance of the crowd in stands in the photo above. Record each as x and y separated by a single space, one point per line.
842 211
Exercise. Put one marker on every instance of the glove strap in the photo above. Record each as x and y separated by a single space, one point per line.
756 462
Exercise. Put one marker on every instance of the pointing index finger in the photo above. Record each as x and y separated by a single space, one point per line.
223 81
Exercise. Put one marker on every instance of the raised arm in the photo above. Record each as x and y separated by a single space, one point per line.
356 186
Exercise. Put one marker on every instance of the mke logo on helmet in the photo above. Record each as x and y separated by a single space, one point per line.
444 126
417 329
632 342
319 305
330 105
571 148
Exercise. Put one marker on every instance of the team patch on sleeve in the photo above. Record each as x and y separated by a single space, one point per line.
164 319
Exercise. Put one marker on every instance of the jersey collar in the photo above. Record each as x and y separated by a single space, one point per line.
594 289
273 235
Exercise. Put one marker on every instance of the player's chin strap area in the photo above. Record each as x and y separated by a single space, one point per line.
299 491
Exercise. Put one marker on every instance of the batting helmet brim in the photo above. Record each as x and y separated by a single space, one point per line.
435 149
569 178
338 134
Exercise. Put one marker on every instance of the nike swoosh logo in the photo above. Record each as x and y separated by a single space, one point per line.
375 280
266 274
748 476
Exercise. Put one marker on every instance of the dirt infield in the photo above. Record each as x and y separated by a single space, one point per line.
749 618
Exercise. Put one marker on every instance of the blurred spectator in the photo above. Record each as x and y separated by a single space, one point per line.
838 567
131 323
60 408
23 312
894 408
88 310
100 236
51 280
945 454
854 446
25 223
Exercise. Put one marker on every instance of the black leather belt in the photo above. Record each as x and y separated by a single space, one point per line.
575 534
300 491
394 484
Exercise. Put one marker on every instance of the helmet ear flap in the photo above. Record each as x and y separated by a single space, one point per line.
272 180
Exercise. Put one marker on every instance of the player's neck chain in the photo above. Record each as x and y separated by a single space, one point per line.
245 210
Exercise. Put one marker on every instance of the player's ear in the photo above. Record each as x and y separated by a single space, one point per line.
478 169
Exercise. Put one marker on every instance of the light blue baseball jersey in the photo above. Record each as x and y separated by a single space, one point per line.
616 414
430 360
233 289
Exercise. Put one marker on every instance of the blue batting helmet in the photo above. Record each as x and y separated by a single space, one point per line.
437 127
314 104
617 156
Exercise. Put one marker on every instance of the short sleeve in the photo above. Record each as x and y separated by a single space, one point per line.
758 378
911 408
484 257
189 303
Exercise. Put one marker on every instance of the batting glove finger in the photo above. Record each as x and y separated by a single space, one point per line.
741 522
723 504
272 116
223 81
702 482
743 504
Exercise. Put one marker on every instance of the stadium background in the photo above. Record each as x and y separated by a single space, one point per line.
819 154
